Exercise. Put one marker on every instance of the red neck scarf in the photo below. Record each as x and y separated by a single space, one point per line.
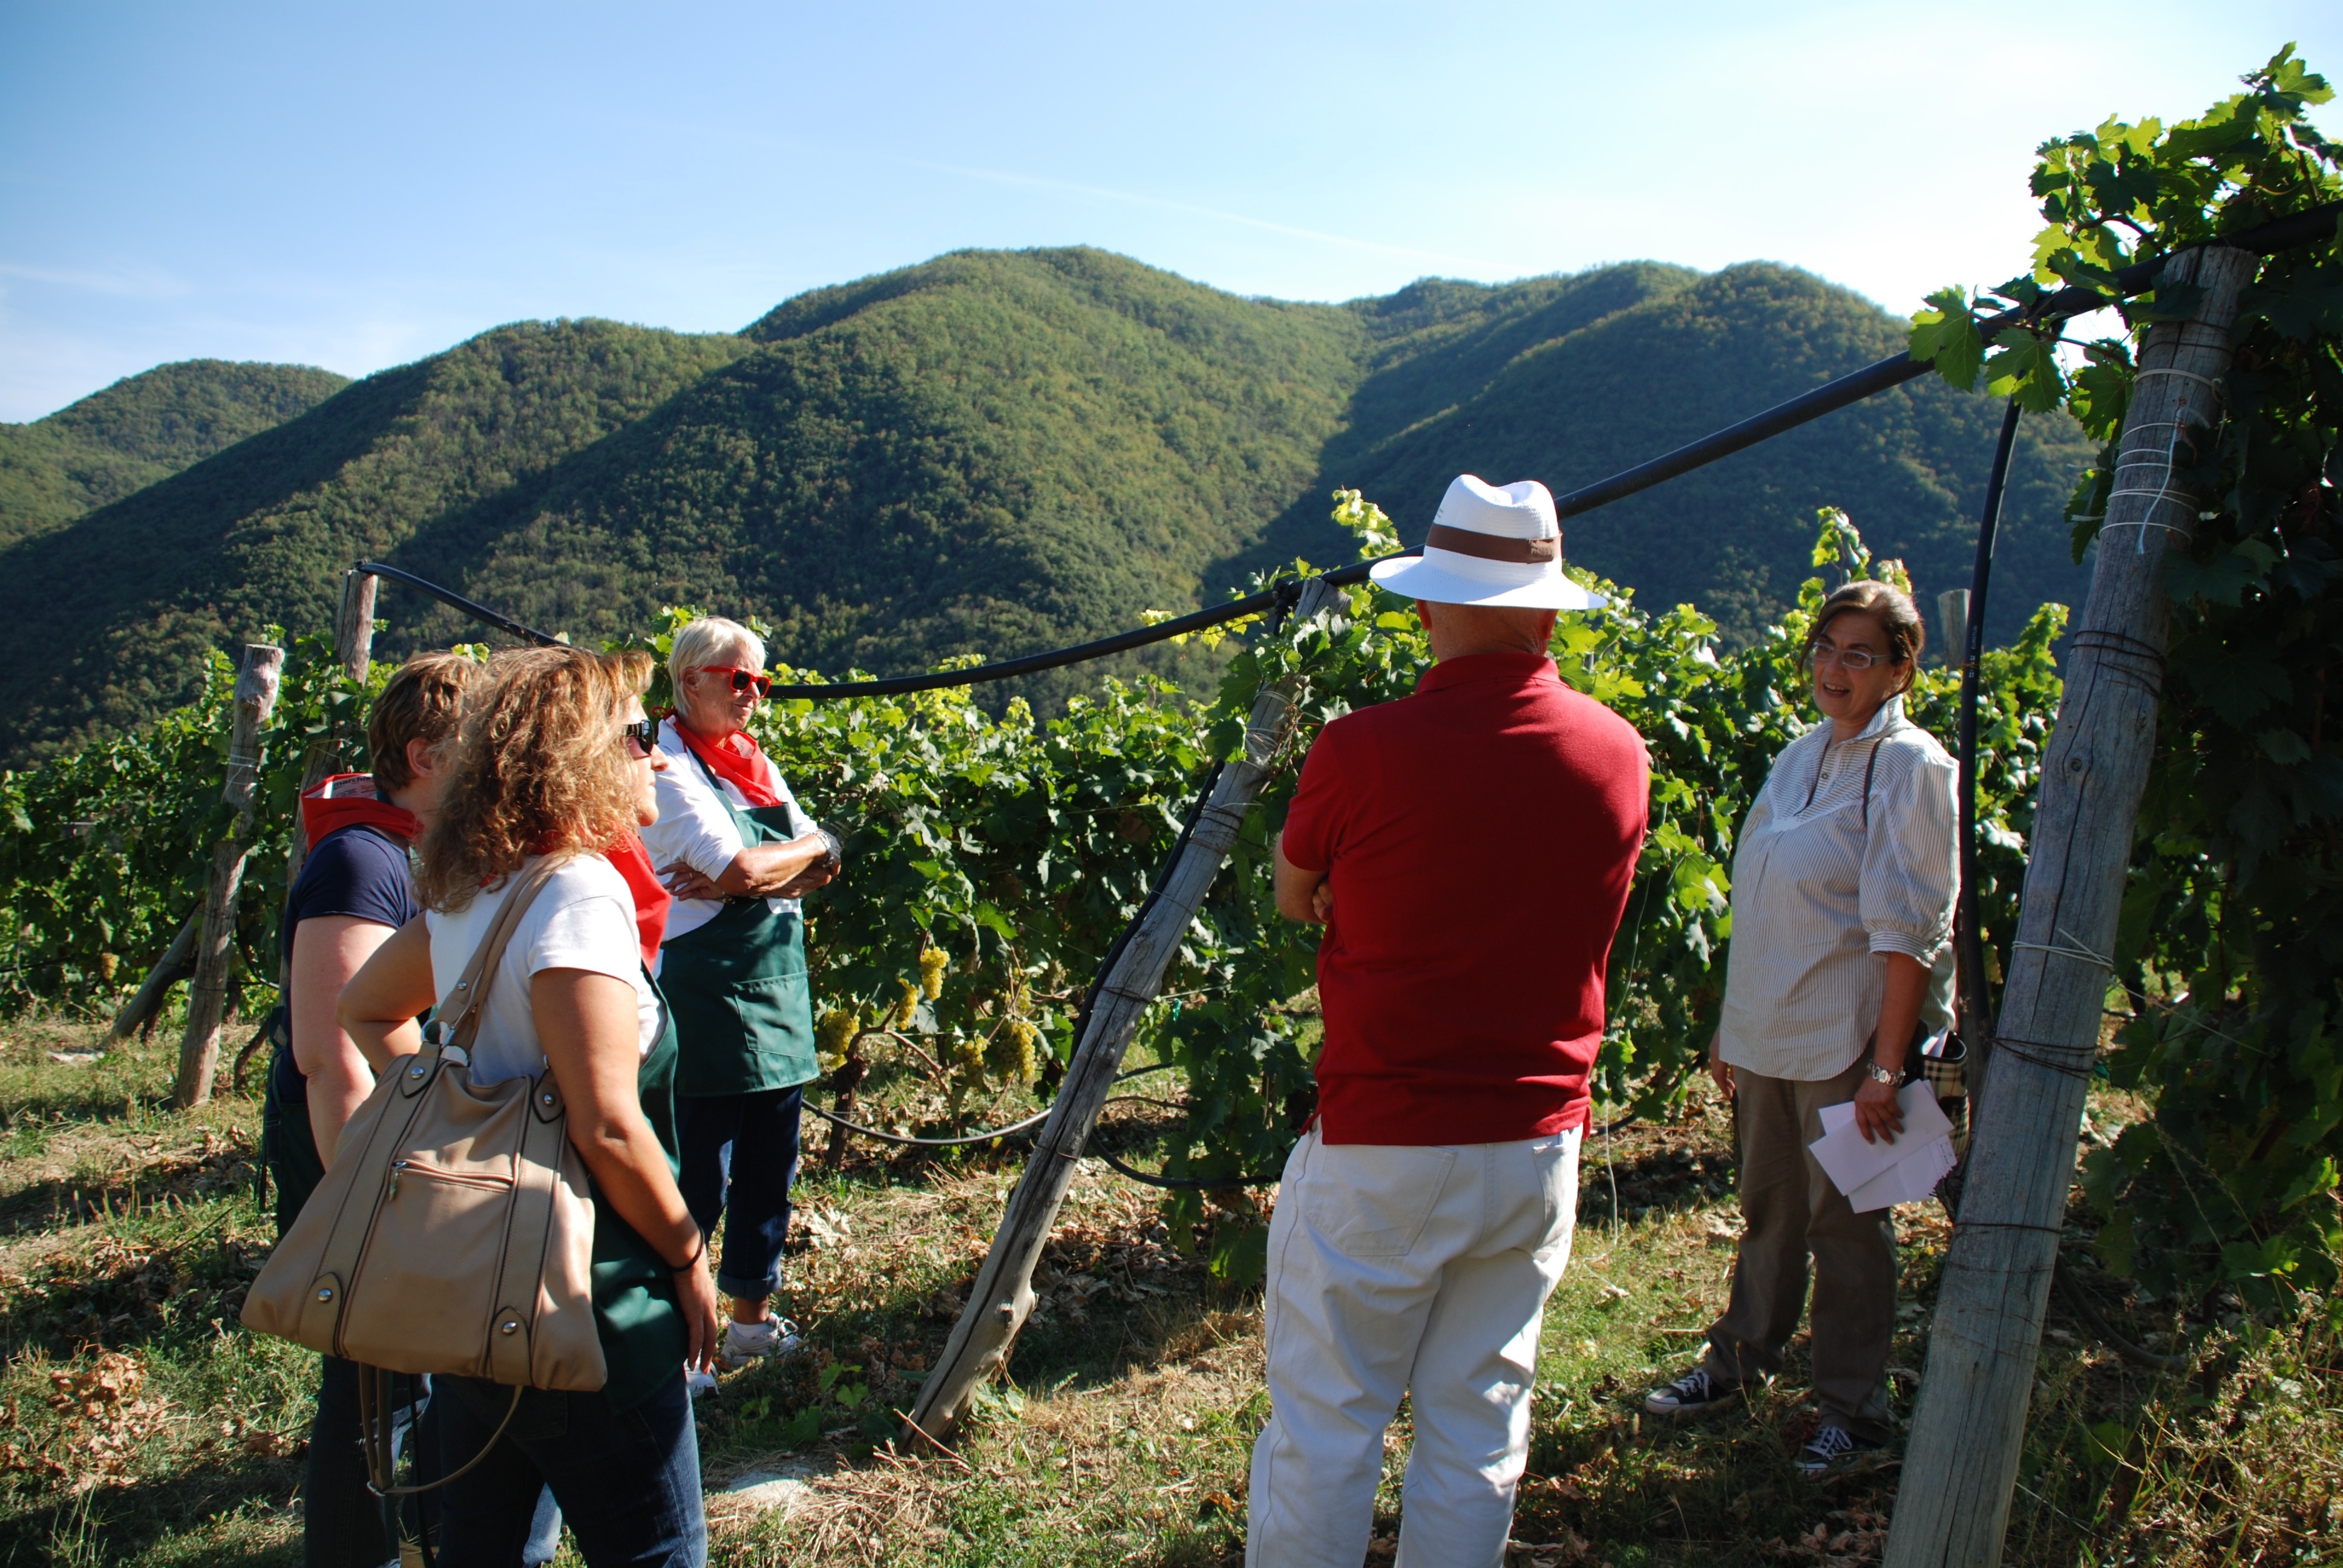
348 801
651 899
736 759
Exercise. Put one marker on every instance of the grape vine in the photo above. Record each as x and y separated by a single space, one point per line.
2232 927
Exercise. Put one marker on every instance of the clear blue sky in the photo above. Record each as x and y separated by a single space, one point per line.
355 186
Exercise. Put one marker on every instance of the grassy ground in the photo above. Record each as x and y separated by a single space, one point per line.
138 1425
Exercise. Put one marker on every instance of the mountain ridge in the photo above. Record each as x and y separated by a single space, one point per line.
142 428
995 452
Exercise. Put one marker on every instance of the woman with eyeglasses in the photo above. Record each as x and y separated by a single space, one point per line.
1842 884
737 852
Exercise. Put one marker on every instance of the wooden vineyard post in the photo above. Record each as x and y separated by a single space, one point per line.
1952 1507
1002 1296
354 648
1953 623
177 962
256 698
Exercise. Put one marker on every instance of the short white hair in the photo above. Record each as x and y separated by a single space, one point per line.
712 639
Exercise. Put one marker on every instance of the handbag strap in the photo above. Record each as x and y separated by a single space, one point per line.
457 1020
354 1221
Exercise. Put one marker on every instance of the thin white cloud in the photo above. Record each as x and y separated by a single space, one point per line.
125 283
1480 265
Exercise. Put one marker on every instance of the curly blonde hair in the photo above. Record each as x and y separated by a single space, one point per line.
539 770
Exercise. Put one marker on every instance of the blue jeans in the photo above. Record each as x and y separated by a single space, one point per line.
739 1156
627 1481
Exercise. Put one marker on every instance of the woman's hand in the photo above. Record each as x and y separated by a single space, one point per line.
820 874
1716 1068
686 883
694 1292
1876 1111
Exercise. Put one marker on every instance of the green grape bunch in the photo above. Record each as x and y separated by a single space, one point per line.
834 1036
1011 1054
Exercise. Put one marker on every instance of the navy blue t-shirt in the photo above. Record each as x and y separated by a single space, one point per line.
359 871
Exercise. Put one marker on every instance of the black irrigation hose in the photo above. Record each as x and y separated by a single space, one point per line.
835 1119
1976 999
448 597
1009 1131
1272 601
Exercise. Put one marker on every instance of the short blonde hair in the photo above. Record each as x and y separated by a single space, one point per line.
423 701
707 641
539 770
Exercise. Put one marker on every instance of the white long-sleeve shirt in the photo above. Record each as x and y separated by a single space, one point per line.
695 830
1848 854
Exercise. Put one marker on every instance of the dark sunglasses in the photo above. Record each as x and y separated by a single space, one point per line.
742 679
641 738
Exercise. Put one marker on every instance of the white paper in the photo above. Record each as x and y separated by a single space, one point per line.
1850 1162
1907 1180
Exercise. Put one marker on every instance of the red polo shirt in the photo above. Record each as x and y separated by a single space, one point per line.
1480 837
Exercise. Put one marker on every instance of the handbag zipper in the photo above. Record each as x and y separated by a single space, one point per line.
431 1173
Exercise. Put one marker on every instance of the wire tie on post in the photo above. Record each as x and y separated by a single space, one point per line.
2208 383
2076 951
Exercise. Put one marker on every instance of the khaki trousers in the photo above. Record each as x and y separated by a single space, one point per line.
1409 1270
1794 1212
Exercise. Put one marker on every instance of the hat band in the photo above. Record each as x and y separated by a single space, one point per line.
1494 547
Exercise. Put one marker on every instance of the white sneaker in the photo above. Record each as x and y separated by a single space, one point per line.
697 1383
775 1339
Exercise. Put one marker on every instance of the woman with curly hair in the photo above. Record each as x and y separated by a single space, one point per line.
558 759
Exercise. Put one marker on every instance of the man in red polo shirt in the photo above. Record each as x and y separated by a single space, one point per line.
1469 850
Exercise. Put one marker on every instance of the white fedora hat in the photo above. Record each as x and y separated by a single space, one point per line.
1490 544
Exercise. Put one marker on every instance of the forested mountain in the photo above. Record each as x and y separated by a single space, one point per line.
143 428
996 452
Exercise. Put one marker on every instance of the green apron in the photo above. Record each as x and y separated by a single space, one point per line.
736 986
636 1313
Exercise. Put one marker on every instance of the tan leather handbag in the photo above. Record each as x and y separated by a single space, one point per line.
453 1231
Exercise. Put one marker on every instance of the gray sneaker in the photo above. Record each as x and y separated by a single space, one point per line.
775 1339
1695 1393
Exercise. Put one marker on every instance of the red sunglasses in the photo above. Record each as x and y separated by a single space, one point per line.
742 679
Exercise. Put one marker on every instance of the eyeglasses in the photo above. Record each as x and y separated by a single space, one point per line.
641 738
742 679
1853 658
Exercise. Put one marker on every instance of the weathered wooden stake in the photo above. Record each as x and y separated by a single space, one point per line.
1952 1507
256 698
354 646
1002 1296
1953 623
177 962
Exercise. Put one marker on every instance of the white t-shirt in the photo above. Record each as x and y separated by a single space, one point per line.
583 918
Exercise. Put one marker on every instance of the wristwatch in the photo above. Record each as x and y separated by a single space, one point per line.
1881 1075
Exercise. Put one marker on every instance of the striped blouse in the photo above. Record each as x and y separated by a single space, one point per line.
1848 853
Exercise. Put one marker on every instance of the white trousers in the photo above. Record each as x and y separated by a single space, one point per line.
1419 1270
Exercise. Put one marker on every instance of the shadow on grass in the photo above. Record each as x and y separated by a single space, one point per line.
120 1523
225 1168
